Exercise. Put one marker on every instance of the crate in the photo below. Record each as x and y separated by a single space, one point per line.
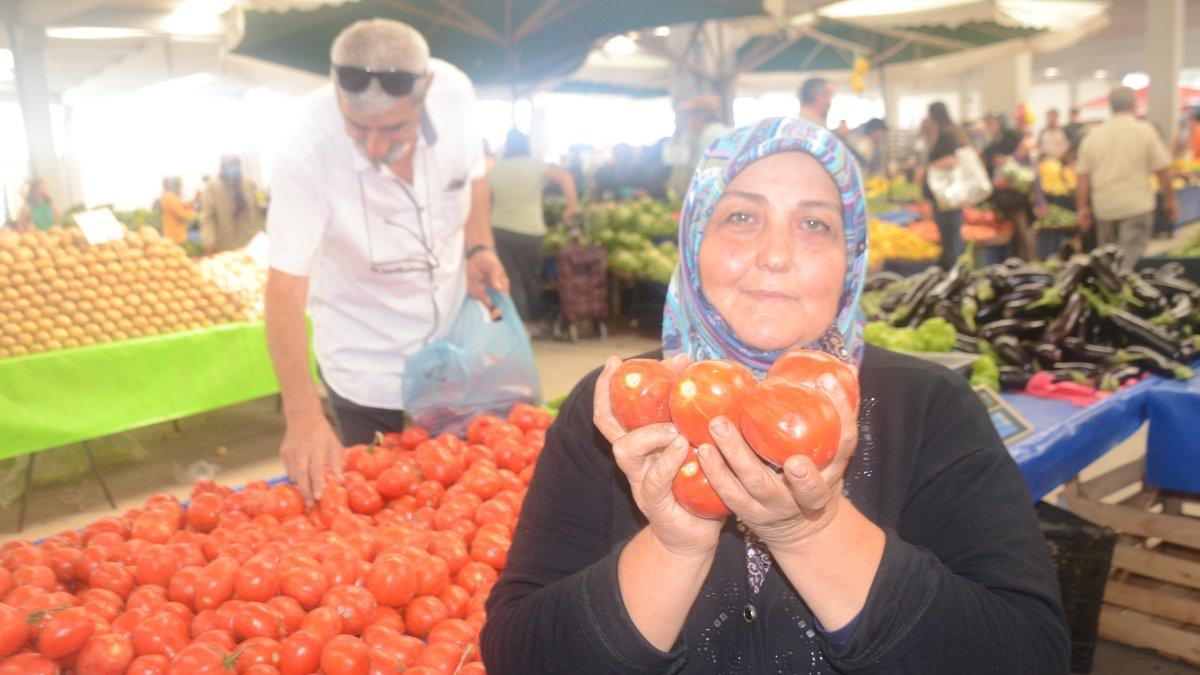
1152 600
1082 553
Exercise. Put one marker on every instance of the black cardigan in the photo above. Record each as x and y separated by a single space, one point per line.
965 584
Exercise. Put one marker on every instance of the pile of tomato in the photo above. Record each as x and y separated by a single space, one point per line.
787 413
387 573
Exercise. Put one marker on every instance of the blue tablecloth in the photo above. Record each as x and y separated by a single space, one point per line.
1066 439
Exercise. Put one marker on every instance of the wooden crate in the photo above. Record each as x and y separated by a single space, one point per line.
1152 599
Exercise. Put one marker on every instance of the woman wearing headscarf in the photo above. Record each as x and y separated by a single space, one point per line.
229 212
915 550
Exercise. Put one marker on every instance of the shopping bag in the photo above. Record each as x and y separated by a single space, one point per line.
480 366
965 184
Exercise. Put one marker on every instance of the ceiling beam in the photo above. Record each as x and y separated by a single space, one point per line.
43 13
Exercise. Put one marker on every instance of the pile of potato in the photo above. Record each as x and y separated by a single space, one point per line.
58 292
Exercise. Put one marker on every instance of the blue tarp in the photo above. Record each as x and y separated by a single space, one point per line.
1066 439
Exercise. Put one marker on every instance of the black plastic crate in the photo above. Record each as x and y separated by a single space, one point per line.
1082 554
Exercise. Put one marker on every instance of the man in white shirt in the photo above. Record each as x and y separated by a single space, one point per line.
1116 161
1052 140
379 224
816 98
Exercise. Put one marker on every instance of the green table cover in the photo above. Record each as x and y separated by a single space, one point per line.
62 397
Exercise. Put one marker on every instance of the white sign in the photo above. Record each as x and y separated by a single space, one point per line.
99 226
259 250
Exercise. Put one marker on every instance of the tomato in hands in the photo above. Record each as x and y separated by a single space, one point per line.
639 392
782 418
692 491
806 366
708 389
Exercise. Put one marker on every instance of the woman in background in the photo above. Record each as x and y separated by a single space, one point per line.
39 211
176 214
229 211
516 182
943 138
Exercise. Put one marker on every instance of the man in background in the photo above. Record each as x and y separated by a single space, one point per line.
229 214
176 214
1116 161
1052 140
816 97
1075 126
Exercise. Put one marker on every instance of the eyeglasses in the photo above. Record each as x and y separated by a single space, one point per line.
395 82
421 258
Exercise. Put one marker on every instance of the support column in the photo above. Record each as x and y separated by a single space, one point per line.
28 47
1005 83
1164 56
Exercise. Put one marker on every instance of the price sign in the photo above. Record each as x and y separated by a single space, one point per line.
1009 423
99 226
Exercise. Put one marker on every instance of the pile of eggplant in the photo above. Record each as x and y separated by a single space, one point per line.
1084 320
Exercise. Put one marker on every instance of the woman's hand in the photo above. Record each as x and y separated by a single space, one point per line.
650 457
783 510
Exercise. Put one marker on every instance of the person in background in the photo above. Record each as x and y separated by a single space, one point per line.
516 181
870 146
943 138
380 226
176 213
1008 144
620 178
816 98
39 211
1193 139
1075 127
229 212
701 121
1052 140
1113 192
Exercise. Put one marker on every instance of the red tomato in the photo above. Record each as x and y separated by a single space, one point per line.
254 619
304 583
453 631
65 632
692 491
783 418
13 631
475 576
149 664
199 658
62 562
300 653
182 588
204 511
258 650
222 638
411 437
478 426
107 654
114 577
443 657
290 610
397 480
156 564
455 599
369 460
450 547
639 392
28 664
154 526
214 584
323 621
482 480
806 366
40 576
438 462
356 606
392 580
423 613
146 598
364 499
257 579
708 389
529 417
162 633
345 655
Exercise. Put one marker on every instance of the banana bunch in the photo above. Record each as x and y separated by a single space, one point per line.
890 241
1056 180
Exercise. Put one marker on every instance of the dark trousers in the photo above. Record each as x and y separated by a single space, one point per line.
522 255
949 225
357 424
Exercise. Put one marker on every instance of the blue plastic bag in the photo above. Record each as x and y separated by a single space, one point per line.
479 366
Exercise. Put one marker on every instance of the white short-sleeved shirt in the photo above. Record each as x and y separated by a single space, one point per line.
1119 156
384 258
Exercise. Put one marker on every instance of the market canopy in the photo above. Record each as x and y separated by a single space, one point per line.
514 43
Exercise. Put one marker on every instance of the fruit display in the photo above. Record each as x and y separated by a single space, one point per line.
1018 176
639 237
1057 218
1083 320
981 225
387 573
1055 179
787 413
242 279
890 241
59 292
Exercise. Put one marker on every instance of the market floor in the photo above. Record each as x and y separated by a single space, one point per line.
240 444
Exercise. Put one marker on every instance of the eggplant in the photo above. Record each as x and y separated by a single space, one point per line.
1027 276
1047 354
911 301
949 311
990 313
1155 362
1088 352
1067 320
1181 308
1091 369
1105 269
1143 332
1010 351
1170 270
1021 328
1113 376
1190 348
880 280
966 343
1012 377
1173 286
1013 263
1153 298
1064 284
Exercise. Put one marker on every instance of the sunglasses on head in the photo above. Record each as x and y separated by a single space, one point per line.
394 82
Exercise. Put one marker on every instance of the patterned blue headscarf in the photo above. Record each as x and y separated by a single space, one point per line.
693 326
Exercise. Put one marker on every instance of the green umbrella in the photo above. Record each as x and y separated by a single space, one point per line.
516 43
